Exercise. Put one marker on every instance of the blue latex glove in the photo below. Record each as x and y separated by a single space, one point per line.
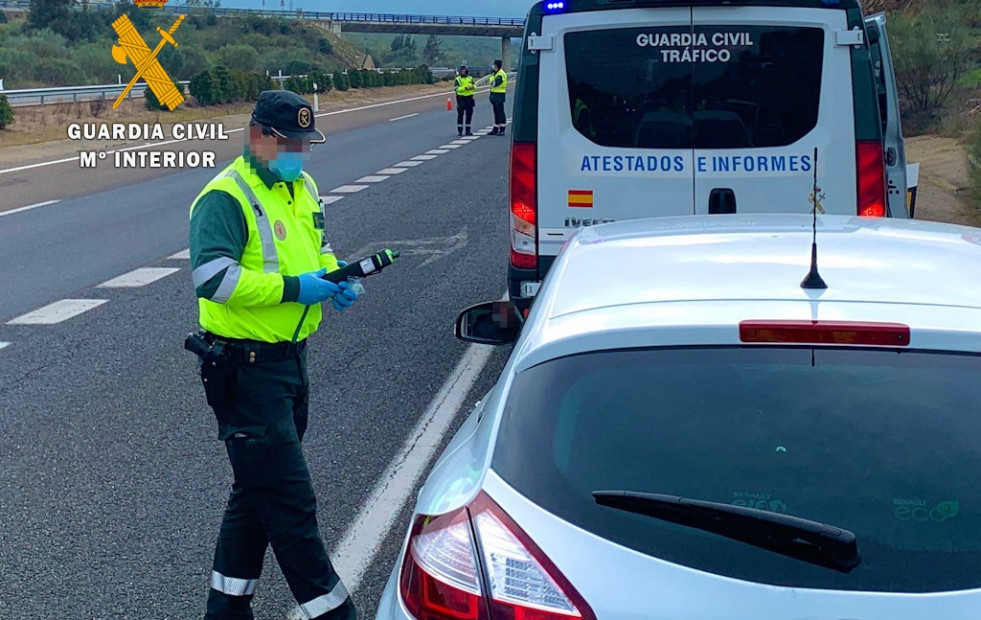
346 298
341 264
314 290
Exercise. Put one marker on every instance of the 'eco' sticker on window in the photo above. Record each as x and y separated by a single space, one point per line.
759 501
922 511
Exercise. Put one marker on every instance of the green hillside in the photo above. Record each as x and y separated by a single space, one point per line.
478 52
73 47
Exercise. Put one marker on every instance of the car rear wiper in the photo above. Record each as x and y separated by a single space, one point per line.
802 539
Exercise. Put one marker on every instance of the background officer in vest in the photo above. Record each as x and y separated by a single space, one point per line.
499 88
257 250
465 91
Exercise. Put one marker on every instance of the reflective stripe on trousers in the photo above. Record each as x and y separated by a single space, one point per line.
325 603
232 586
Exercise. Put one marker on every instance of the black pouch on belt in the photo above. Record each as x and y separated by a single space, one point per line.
219 375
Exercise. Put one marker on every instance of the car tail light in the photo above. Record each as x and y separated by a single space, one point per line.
825 332
871 179
444 577
524 205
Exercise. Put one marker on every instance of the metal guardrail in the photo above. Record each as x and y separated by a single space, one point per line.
74 94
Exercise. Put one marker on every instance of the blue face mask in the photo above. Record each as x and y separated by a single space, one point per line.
287 166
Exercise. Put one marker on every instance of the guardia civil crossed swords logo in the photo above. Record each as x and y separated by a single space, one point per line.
132 48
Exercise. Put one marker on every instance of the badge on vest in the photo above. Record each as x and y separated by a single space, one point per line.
318 221
280 229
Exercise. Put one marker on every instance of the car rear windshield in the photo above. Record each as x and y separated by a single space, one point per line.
711 87
886 445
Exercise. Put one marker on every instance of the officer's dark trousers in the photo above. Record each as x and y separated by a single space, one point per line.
464 108
497 102
261 408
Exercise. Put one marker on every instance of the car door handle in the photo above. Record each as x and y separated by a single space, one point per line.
722 200
891 156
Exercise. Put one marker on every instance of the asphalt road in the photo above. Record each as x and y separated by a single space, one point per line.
112 481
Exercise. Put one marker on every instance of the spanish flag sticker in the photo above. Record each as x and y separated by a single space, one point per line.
581 198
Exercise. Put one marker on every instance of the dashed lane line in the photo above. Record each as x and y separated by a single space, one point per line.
461 142
372 178
348 189
423 157
182 255
139 277
451 146
391 171
399 118
57 312
408 164
4 345
329 200
29 207
437 151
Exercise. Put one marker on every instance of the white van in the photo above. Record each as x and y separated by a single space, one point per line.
643 108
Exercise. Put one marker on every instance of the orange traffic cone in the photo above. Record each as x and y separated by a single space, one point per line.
449 104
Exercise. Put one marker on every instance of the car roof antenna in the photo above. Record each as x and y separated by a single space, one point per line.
813 280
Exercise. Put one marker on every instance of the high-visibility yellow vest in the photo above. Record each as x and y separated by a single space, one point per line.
465 86
504 82
284 239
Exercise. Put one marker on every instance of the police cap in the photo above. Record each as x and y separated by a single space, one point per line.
287 115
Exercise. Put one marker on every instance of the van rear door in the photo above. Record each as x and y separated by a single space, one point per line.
614 121
892 131
770 85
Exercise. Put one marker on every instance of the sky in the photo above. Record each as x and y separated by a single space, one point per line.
468 8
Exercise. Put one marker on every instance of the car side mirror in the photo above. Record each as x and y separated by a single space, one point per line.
492 322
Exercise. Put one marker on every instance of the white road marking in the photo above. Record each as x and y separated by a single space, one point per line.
361 541
139 277
57 312
372 178
227 131
482 132
182 255
451 146
423 157
329 200
348 189
437 151
469 138
391 171
29 207
408 164
4 345
461 142
392 120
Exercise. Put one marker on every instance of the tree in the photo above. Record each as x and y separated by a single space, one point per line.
43 13
237 56
932 52
6 112
205 88
433 51
341 81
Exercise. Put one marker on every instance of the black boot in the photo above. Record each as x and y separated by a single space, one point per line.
459 130
468 132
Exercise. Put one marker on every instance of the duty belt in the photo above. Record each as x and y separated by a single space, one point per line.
255 350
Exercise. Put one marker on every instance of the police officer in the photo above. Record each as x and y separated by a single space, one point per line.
499 88
258 251
465 91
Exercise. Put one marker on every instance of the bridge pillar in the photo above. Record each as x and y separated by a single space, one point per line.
506 53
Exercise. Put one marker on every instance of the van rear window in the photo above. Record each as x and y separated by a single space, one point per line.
711 87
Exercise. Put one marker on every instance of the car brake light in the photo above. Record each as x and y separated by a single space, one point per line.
524 205
441 575
871 179
825 332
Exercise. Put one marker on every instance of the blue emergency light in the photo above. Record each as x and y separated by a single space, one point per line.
554 7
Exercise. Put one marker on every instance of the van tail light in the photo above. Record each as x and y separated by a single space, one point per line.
871 179
524 205
855 333
445 577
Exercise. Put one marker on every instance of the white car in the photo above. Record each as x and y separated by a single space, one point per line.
648 108
684 431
